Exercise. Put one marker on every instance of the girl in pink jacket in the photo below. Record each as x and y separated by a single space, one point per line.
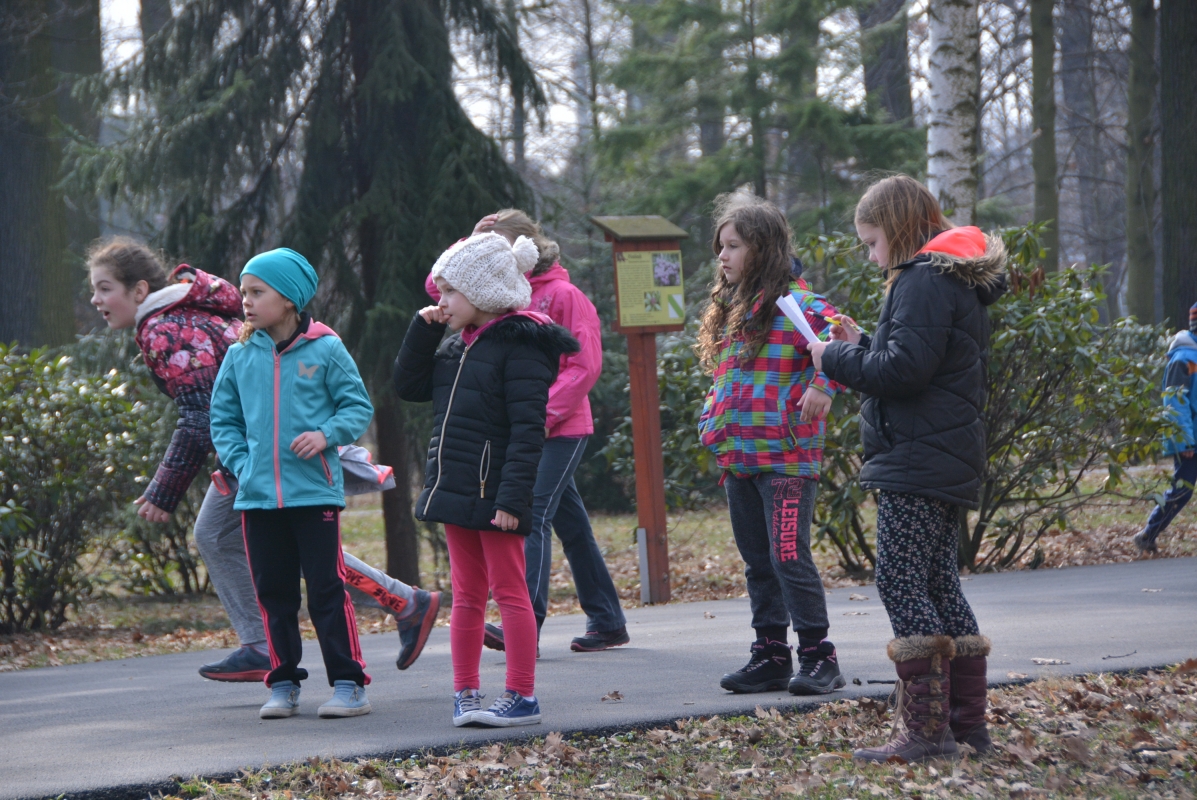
568 426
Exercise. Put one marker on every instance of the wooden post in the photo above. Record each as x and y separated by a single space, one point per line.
656 236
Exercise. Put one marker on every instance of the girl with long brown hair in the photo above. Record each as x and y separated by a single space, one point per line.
763 419
923 376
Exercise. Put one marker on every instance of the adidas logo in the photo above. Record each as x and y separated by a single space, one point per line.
306 371
329 516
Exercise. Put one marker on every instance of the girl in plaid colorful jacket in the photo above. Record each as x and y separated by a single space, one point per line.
763 419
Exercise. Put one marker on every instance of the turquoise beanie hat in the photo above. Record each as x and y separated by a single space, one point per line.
287 272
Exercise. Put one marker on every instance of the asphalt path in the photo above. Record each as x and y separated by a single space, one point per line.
113 728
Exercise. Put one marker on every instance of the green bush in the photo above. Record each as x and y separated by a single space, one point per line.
144 557
73 450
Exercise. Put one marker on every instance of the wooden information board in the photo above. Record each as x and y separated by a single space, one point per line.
650 299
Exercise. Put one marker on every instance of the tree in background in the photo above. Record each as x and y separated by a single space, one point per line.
1178 151
330 126
885 56
1140 162
954 79
44 48
1043 140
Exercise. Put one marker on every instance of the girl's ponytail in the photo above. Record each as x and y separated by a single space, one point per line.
514 223
129 261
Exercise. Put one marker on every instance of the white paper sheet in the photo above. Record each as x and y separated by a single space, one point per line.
789 306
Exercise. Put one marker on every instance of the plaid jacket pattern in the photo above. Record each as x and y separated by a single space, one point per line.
750 418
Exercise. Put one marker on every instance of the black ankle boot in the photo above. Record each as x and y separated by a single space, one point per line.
769 669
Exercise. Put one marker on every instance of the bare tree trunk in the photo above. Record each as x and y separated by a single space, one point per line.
37 227
1079 85
886 59
1043 119
153 16
953 75
1140 161
402 536
77 54
1178 132
518 112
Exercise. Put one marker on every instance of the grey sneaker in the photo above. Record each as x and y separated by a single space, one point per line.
414 628
348 700
1144 544
284 699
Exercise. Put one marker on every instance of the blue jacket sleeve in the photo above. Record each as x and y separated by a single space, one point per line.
350 397
227 420
1177 398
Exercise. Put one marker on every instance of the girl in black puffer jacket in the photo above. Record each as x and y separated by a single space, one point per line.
489 384
923 374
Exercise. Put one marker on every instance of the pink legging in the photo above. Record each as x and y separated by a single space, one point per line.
490 560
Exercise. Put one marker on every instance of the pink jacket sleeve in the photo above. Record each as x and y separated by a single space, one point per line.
430 287
580 371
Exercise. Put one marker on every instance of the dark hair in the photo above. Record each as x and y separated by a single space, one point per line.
129 261
766 277
515 223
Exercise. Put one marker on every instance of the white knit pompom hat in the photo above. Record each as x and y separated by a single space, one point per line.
489 271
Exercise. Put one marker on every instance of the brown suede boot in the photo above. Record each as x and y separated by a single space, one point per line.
921 729
969 692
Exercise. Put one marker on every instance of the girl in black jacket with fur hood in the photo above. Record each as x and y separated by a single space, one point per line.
489 384
923 374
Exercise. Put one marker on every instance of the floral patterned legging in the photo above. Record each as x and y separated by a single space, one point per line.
917 574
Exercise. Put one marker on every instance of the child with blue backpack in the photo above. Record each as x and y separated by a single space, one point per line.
1180 382
287 395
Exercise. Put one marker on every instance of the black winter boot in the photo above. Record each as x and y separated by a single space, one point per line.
769 669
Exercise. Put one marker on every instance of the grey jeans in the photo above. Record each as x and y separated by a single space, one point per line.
220 541
771 516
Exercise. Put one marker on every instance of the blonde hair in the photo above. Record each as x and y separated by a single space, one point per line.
513 223
907 213
766 276
129 261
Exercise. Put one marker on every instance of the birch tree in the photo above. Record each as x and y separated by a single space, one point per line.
953 76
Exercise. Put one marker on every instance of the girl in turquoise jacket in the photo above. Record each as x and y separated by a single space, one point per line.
287 395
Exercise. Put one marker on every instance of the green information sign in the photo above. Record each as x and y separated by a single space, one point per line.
650 288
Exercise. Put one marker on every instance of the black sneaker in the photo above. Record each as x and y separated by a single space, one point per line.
818 671
594 641
243 665
415 627
492 637
768 670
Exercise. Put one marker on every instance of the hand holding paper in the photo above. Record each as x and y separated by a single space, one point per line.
789 306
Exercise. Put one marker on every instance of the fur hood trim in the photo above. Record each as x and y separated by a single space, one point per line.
973 645
553 339
909 648
986 270
156 301
1183 340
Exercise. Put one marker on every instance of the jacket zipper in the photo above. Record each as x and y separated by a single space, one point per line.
440 445
484 468
327 471
278 377
278 467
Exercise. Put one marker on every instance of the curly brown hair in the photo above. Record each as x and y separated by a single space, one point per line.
765 232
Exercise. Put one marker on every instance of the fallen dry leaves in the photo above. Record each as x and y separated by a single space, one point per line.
1105 735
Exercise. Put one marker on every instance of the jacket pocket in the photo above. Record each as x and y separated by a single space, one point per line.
881 423
484 469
